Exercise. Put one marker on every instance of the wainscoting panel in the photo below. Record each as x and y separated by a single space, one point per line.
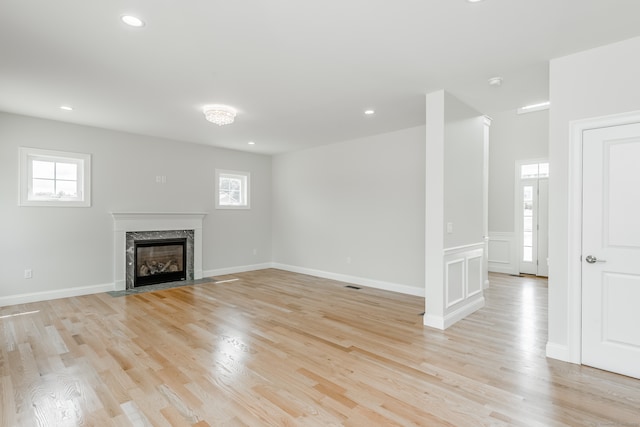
463 282
503 252
474 275
454 277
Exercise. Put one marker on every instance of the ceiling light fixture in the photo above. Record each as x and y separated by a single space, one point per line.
474 1
495 81
66 108
251 143
219 114
534 107
132 21
369 112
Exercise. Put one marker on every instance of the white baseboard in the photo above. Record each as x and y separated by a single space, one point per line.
237 269
442 323
378 284
436 322
558 351
493 268
59 293
95 289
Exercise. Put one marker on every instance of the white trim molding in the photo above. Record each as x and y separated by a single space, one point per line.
58 293
503 252
574 232
237 269
371 283
154 221
557 351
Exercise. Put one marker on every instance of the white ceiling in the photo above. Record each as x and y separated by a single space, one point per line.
301 73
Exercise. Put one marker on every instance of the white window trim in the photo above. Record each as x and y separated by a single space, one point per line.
246 176
84 177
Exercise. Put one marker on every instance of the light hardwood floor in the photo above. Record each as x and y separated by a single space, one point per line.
278 348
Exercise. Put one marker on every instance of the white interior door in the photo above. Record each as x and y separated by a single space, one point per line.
611 249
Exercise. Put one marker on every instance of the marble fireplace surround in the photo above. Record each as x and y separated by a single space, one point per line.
124 222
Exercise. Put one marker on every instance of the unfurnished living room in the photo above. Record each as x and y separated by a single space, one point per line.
358 213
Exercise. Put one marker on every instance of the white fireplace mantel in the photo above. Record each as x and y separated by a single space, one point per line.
124 222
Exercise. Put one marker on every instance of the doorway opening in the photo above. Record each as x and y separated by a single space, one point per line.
532 216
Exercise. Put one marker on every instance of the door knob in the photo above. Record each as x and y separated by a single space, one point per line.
592 260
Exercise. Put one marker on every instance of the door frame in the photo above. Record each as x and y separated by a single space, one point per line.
574 237
517 209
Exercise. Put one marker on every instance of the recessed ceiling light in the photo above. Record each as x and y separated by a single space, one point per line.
132 21
369 112
252 143
66 108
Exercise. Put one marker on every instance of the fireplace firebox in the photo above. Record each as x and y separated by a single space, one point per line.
160 261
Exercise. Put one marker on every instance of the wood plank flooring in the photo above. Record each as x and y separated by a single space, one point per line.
283 349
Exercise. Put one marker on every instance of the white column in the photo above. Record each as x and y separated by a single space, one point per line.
434 212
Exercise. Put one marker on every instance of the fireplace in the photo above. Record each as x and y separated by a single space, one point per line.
159 261
135 226
159 256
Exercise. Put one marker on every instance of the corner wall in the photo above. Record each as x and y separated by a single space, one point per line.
71 249
353 211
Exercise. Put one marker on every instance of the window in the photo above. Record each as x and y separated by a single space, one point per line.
233 190
527 224
535 170
54 178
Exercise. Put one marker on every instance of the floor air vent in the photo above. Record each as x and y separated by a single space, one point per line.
352 287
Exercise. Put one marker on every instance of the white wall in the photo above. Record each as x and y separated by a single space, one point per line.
463 168
360 201
514 137
593 83
73 247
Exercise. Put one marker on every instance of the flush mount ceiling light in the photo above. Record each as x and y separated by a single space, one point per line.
473 1
369 112
495 81
219 114
534 107
132 21
251 143
66 108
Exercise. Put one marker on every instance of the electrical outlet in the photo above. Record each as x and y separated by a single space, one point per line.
348 260
255 252
28 274
449 227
